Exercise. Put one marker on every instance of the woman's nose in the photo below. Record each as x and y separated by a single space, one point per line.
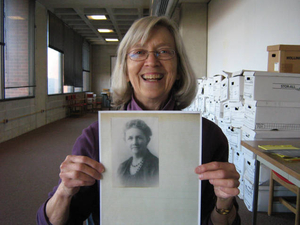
135 141
152 60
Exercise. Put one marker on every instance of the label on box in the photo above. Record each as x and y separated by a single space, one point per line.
276 67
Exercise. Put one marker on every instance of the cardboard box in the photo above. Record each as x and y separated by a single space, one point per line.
230 155
217 86
238 161
249 170
268 115
250 135
224 90
271 86
248 152
208 87
219 109
284 58
236 88
236 113
241 188
226 112
234 136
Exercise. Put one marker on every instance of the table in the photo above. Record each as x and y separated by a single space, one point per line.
290 170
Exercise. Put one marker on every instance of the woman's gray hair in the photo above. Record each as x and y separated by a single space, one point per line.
184 89
139 124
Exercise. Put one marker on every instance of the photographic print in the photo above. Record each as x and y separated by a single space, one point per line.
149 160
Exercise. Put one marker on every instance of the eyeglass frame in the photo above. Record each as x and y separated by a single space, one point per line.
155 54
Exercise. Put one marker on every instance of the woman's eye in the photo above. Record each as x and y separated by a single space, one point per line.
164 51
139 52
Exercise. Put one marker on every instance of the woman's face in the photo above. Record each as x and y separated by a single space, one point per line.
136 140
153 79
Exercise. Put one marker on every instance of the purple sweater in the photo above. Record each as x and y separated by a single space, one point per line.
86 201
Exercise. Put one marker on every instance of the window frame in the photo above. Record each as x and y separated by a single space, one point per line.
30 52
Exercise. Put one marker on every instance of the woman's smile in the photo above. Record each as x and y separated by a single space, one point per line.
152 77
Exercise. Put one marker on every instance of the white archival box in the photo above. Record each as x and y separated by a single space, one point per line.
219 109
208 87
236 88
249 170
236 113
234 136
230 154
250 135
217 86
224 95
268 115
226 112
271 86
238 160
241 188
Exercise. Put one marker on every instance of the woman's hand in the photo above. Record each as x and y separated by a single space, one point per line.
223 176
77 171
225 179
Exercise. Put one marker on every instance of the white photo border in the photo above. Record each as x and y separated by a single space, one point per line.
174 198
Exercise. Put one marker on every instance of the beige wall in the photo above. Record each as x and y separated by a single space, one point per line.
240 31
101 72
193 29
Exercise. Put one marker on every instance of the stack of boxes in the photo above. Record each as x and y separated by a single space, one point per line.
249 105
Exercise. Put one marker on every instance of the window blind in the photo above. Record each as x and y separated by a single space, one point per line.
56 33
78 60
69 73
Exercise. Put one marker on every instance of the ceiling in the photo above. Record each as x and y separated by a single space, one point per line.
121 14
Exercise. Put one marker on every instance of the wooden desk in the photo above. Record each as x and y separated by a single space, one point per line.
290 170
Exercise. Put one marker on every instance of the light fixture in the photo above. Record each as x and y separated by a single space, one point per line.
16 18
111 39
96 17
105 30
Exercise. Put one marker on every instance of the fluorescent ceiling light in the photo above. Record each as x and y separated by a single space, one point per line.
111 39
96 17
16 18
105 30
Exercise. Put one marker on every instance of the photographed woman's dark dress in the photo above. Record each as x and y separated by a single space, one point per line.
146 175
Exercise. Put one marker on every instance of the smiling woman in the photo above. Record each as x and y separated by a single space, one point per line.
152 78
151 73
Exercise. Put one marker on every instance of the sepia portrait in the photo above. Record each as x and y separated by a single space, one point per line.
135 151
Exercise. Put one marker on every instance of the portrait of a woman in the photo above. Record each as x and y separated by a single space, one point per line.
141 169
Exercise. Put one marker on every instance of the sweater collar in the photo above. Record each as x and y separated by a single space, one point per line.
133 105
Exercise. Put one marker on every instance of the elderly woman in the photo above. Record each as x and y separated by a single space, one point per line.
140 170
151 73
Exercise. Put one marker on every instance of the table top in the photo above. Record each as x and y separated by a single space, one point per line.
290 167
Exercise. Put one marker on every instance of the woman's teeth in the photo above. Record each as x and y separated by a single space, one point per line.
152 77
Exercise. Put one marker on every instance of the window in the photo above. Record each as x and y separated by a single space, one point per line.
1 51
55 71
18 51
66 56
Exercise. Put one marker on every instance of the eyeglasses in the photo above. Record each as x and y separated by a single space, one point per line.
161 54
